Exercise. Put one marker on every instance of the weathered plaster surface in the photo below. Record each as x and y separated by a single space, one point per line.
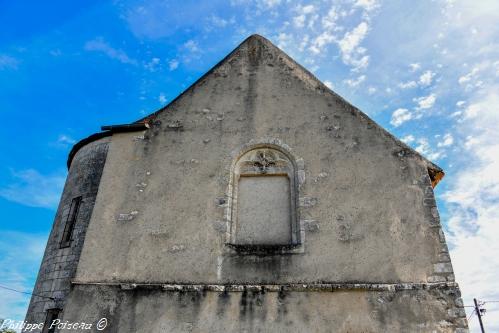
373 216
369 230
250 310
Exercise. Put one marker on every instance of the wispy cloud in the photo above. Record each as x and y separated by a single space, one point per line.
408 139
153 65
269 3
414 67
472 199
447 140
423 147
220 22
355 82
31 188
426 78
65 139
99 45
173 64
368 5
426 102
400 116
162 98
192 46
408 85
305 16
351 52
20 256
8 62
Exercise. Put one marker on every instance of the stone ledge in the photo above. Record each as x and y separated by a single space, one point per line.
327 287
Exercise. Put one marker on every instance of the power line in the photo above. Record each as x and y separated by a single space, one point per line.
471 315
25 292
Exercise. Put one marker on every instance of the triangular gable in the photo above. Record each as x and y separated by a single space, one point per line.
255 44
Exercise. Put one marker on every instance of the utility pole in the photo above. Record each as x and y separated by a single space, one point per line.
479 314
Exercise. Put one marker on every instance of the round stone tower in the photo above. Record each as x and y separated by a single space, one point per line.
86 163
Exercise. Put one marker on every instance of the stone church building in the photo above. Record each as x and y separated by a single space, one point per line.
257 201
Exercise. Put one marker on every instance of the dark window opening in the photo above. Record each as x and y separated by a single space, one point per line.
52 314
70 222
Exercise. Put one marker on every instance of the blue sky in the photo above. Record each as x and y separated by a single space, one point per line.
427 71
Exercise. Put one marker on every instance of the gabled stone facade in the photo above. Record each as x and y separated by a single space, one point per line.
257 201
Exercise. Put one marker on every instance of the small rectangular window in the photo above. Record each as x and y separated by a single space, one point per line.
52 314
70 222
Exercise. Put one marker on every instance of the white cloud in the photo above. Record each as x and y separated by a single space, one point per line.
447 140
414 67
472 111
20 255
470 142
367 5
304 14
355 82
408 139
153 65
321 41
371 90
473 203
426 78
8 62
173 64
31 188
352 54
162 98
100 45
408 85
219 22
400 116
192 46
299 21
269 3
303 43
329 21
466 78
460 104
424 149
66 140
308 9
283 39
426 102
328 84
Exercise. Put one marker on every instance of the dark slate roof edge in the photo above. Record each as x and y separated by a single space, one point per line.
84 142
107 131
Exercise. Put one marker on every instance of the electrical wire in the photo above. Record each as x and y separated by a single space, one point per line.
471 315
25 292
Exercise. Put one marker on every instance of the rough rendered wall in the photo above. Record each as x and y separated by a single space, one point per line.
367 206
58 266
256 311
366 212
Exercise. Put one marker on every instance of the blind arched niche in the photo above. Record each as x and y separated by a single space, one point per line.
263 209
